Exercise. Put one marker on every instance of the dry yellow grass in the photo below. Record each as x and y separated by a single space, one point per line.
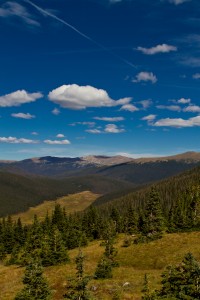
134 261
72 203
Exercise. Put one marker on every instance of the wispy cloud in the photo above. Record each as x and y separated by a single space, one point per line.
129 107
107 119
18 98
169 107
56 111
81 97
23 116
196 76
177 2
14 140
85 36
57 142
145 77
149 119
14 9
164 48
146 103
109 128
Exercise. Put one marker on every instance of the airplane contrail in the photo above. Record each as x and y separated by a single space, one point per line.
47 13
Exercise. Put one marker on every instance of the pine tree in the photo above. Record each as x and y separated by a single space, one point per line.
77 287
181 281
153 225
36 287
104 269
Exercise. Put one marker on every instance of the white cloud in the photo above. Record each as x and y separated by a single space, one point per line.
177 2
112 128
19 97
191 61
146 103
178 123
23 116
56 111
192 108
94 131
14 9
129 107
89 124
107 119
184 101
149 118
196 76
14 140
109 128
169 107
34 133
81 97
164 48
60 136
56 142
145 76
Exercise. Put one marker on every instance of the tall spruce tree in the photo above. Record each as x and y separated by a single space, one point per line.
153 223
77 287
36 286
181 281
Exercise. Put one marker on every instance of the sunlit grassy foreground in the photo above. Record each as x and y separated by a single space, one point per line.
134 261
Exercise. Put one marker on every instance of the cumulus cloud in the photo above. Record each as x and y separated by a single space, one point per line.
178 122
56 111
23 116
18 98
60 136
57 142
81 97
107 119
196 76
145 76
164 48
112 128
169 107
14 140
184 101
129 107
192 108
14 9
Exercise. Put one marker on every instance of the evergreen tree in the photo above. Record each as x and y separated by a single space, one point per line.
36 287
153 222
104 269
77 287
182 281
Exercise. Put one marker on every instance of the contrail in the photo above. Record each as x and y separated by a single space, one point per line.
47 13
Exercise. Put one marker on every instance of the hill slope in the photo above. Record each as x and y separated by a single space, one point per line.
18 193
134 262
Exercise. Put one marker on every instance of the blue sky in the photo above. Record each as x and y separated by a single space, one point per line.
80 77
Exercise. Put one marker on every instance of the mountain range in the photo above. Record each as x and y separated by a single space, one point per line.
29 182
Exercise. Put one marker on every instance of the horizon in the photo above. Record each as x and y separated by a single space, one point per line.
111 77
134 157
